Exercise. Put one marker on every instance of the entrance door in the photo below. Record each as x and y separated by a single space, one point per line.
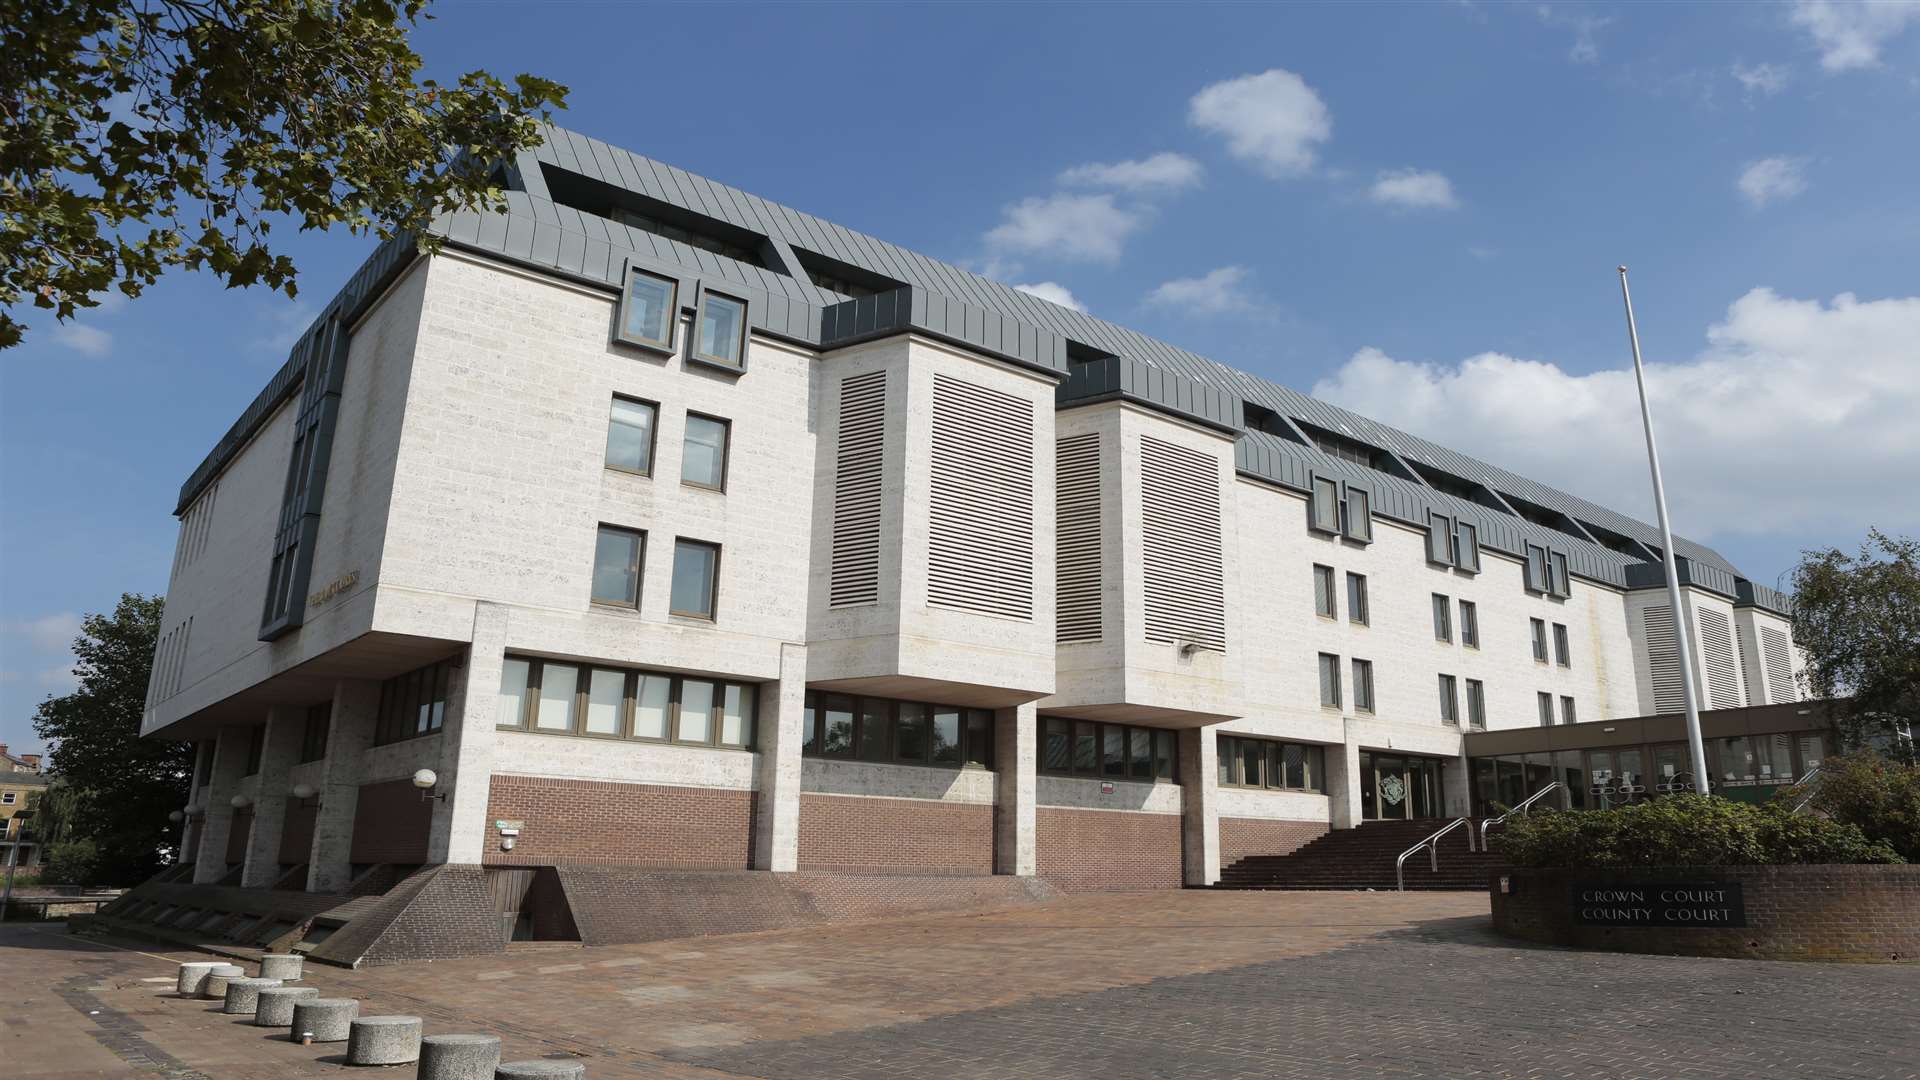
1397 788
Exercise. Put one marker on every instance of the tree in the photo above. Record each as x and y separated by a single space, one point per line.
122 787
139 135
1857 618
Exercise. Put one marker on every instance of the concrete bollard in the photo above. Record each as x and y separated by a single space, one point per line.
458 1057
243 995
193 976
287 967
325 1019
215 984
383 1040
275 1007
541 1070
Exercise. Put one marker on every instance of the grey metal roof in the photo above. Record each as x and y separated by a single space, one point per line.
953 303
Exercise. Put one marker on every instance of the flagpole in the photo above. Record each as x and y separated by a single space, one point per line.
1682 625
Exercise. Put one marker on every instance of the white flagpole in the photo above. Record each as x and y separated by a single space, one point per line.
1682 624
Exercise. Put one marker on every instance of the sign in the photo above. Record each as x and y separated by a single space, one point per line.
1106 787
505 826
1662 903
333 588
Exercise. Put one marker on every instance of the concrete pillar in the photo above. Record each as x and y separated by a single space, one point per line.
1016 757
1200 805
190 827
286 724
356 705
459 830
1343 785
776 825
229 764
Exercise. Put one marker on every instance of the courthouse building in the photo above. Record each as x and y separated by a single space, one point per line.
673 529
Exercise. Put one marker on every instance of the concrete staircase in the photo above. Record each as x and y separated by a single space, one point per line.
1363 858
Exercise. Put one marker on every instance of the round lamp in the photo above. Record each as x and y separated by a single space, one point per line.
303 791
176 817
239 802
425 779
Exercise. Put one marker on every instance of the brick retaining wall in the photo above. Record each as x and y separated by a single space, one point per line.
1107 849
609 824
917 836
1241 837
1866 913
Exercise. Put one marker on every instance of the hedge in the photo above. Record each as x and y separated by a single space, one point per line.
1685 830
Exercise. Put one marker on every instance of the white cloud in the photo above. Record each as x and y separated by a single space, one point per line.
1165 171
50 633
1272 120
1215 292
1053 292
1585 49
1772 179
1413 189
1765 80
1069 226
81 338
1797 415
1850 35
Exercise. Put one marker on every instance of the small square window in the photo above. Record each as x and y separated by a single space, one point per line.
630 427
703 455
616 566
648 310
696 576
722 326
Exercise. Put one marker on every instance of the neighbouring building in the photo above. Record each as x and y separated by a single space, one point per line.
20 779
674 529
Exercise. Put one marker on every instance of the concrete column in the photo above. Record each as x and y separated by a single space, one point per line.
1016 756
356 705
1343 785
190 827
285 726
1200 805
459 830
229 764
776 825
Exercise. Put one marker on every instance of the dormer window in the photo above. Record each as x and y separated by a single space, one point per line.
720 330
648 309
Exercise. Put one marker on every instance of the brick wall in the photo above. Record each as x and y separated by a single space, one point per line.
390 824
1241 837
1869 913
918 836
598 823
1107 849
296 833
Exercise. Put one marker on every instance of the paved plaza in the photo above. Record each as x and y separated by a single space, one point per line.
1116 986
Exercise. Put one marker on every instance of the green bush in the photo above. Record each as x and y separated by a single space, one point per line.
71 863
1685 830
1879 796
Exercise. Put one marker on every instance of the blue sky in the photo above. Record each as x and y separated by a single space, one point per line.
1412 210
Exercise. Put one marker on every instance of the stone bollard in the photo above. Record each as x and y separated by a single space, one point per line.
383 1040
243 995
541 1070
458 1057
193 976
325 1019
215 984
283 966
275 1008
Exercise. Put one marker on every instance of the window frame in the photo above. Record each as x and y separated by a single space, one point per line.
639 568
1476 705
1544 701
397 718
1535 569
1328 668
1449 689
813 732
1466 546
1329 527
1439 539
1469 624
1228 752
1363 700
712 614
702 294
1358 611
726 450
1567 710
1356 527
1325 603
1443 618
1538 628
653 436
1562 646
620 333
1559 583
631 682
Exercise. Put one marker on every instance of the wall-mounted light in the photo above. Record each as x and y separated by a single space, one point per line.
425 780
304 794
239 802
176 817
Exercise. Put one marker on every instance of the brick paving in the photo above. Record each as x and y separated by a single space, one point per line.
1116 986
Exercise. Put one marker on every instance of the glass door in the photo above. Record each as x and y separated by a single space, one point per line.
1395 788
1672 772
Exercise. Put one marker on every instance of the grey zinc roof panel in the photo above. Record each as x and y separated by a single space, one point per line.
546 243
572 254
584 156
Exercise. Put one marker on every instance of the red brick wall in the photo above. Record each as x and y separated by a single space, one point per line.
390 824
1107 849
919 836
1241 837
598 823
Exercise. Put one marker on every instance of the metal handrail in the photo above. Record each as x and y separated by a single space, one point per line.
1806 782
1521 809
1432 844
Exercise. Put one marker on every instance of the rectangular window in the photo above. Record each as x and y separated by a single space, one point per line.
910 732
413 704
703 454
648 310
693 716
1139 754
616 566
1539 639
1557 581
313 740
907 732
573 699
652 706
1536 568
737 713
1566 710
1363 686
630 427
1449 701
1272 765
1442 618
1466 547
1476 705
1163 756
1357 598
1546 708
696 578
876 718
559 693
1323 512
1358 518
1056 744
978 748
1323 602
1329 680
512 711
946 734
1086 747
1102 751
606 702
1113 751
1469 624
722 322
836 725
1562 652
1439 539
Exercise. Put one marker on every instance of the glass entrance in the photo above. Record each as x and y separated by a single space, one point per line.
1397 788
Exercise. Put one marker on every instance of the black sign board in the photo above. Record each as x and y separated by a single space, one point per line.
1669 904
